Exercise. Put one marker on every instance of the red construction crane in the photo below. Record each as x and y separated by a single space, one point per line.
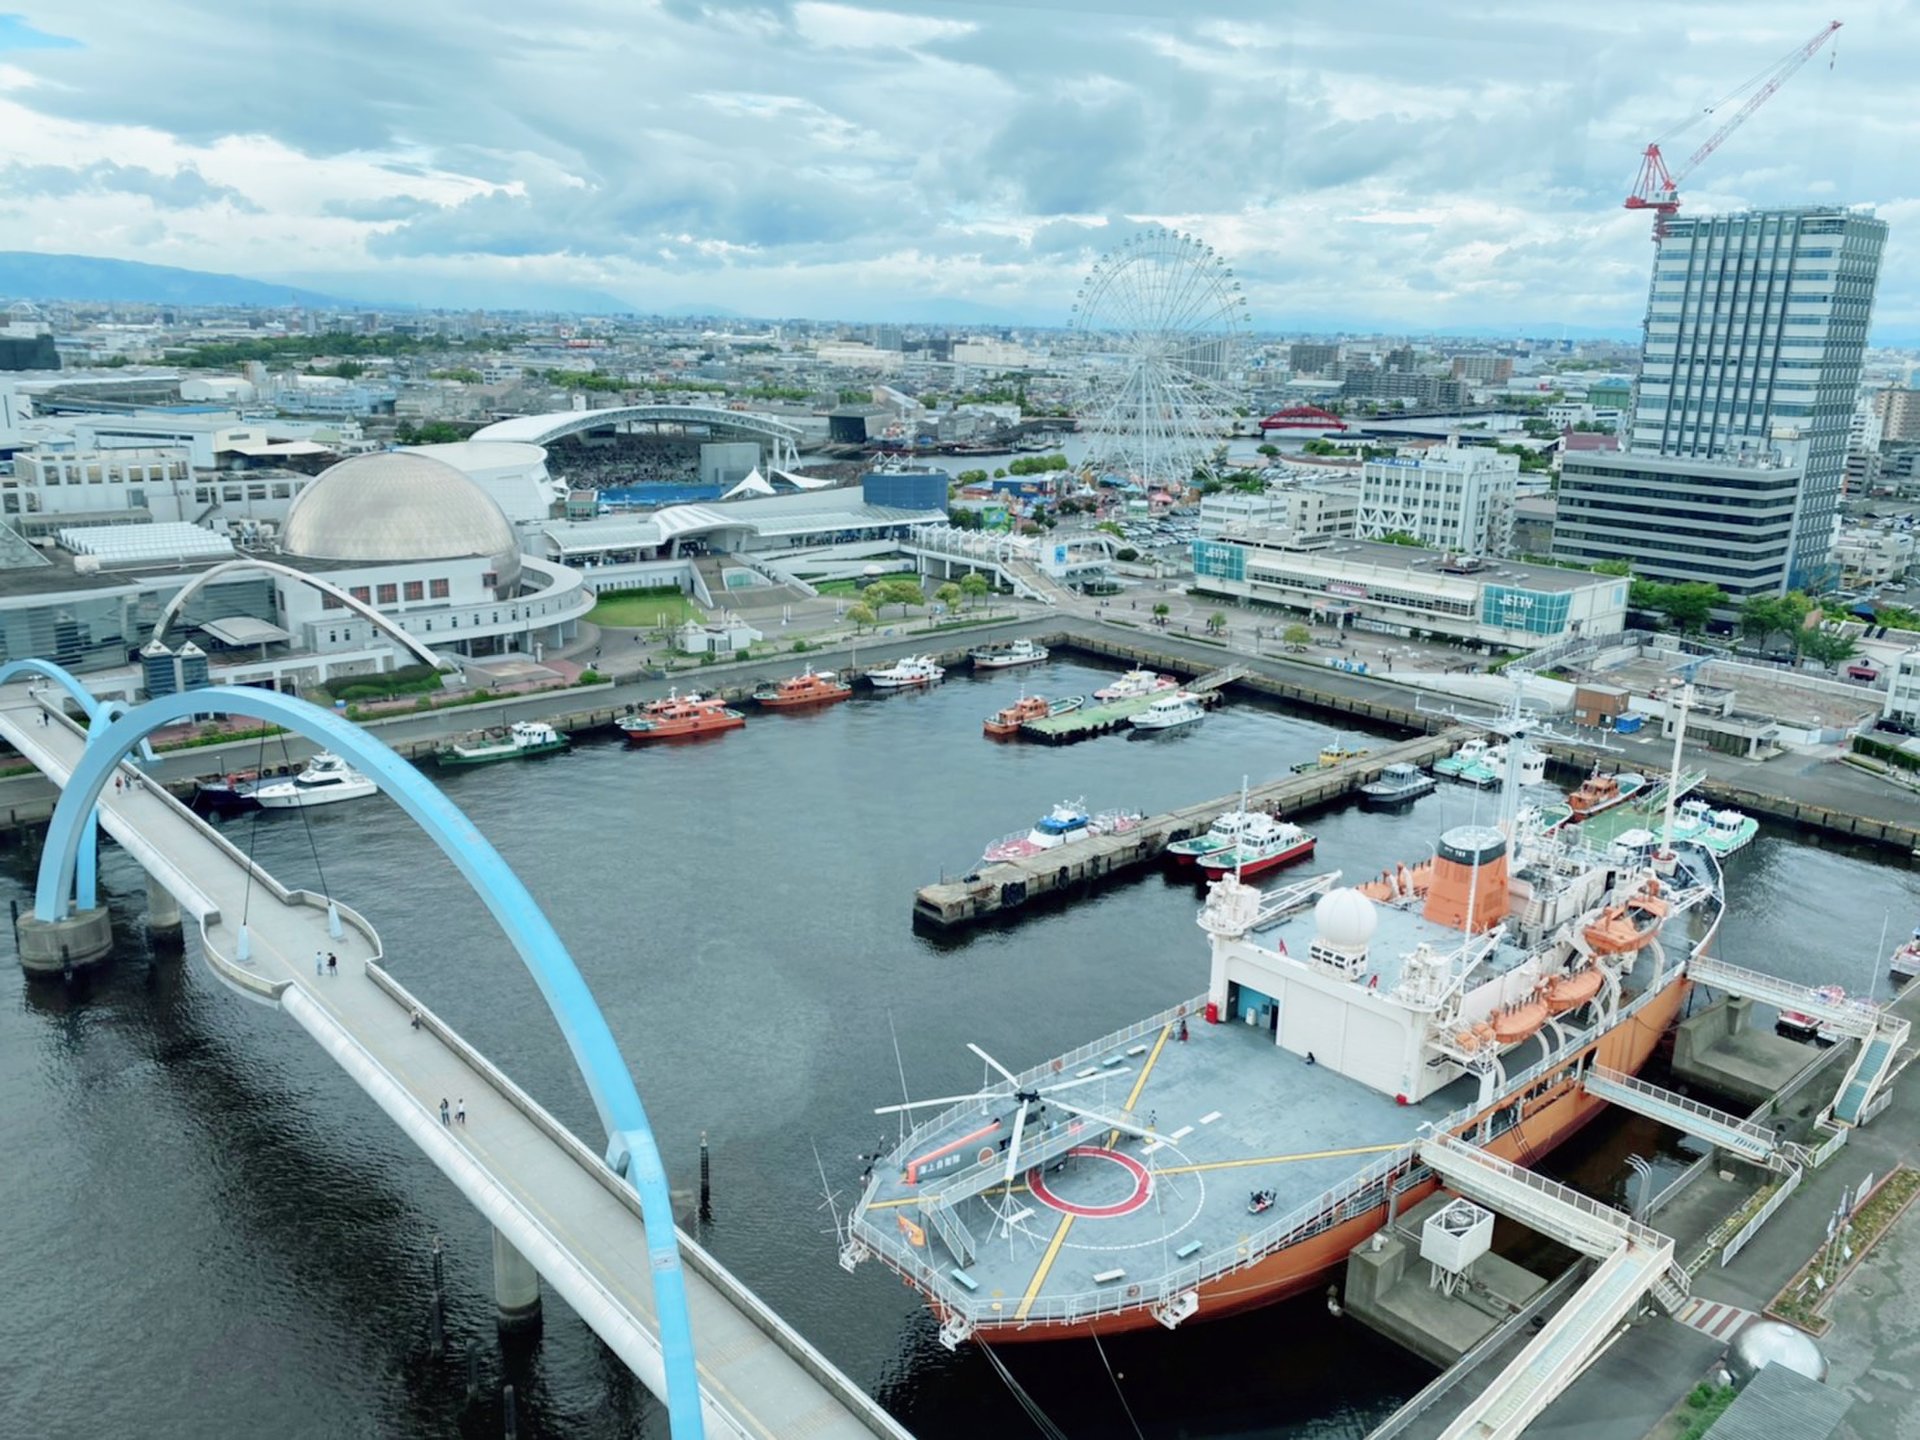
1656 190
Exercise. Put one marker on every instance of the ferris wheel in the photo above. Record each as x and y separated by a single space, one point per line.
1161 326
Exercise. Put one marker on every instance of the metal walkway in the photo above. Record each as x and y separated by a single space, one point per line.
545 1191
1728 1132
1214 679
1881 1033
1635 1261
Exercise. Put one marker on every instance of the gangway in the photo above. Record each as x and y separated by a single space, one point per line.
1215 679
1556 1211
1744 1138
1881 1033
1564 1345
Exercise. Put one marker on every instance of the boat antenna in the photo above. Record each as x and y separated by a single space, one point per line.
1873 970
1240 848
1673 778
901 1066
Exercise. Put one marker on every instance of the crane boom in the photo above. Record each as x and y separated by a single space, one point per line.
1658 190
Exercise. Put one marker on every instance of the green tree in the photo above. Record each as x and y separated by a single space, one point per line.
1162 609
851 396
972 477
948 595
1000 474
862 616
1764 616
1824 647
1686 605
465 374
904 593
1269 449
1402 537
1126 554
1612 567
1297 637
1110 527
973 585
1217 621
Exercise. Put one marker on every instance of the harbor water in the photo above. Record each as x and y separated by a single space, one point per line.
211 1231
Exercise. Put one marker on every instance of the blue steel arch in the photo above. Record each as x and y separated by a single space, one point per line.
630 1143
87 869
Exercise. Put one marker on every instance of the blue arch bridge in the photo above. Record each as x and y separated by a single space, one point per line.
594 1222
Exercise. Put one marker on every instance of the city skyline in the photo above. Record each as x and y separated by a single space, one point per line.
969 160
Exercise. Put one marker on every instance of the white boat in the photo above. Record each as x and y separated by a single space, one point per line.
1136 682
1065 824
326 780
523 737
1905 961
1170 712
1002 657
907 672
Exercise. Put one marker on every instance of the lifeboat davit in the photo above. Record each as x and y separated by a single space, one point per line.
1521 1021
1569 992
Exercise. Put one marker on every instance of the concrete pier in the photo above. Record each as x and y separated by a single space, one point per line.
999 888
516 1286
47 947
163 916
1720 1049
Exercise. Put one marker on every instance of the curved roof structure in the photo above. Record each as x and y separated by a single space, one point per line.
543 429
396 505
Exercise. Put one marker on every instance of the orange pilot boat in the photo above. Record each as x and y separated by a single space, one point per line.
1602 792
799 692
679 717
1008 721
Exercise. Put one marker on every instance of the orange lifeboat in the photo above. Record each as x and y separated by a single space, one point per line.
1569 992
1621 929
1520 1021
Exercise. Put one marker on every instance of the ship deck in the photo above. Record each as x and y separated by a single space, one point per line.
1230 1113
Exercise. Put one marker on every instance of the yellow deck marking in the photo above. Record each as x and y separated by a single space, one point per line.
1066 1221
1277 1159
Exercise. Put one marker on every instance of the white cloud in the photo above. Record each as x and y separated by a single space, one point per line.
1385 164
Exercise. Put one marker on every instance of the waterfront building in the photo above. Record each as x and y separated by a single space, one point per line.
1757 320
1403 590
1308 509
1728 520
1455 498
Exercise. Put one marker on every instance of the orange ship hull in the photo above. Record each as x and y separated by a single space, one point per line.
685 729
1549 1119
829 696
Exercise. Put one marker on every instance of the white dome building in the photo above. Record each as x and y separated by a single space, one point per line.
424 544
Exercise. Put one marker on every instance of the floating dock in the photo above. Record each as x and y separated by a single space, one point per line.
1111 715
995 890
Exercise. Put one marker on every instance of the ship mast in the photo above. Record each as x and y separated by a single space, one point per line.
1666 856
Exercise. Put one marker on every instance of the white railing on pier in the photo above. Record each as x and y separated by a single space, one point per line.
1760 1217
1845 1017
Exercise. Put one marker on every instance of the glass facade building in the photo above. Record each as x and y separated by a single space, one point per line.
1758 321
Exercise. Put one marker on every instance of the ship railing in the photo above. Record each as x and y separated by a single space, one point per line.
1605 1217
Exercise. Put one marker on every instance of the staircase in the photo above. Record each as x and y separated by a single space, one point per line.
1037 1147
1564 1345
1877 1054
1718 1128
952 1230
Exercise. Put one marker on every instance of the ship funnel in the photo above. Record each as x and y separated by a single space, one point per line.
1469 889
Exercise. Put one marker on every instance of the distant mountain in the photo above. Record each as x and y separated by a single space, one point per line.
25 275
414 291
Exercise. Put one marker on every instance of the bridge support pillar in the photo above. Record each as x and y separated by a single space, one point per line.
516 1286
47 947
163 916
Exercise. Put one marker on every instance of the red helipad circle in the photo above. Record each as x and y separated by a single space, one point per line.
1142 1186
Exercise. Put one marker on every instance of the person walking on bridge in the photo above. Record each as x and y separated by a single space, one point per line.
319 963
444 1114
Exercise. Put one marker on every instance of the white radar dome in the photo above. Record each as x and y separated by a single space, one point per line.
1345 919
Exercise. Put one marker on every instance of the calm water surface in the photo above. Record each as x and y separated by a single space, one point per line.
210 1231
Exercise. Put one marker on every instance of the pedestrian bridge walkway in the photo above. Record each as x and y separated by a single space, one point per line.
1728 1132
1882 1033
1634 1261
549 1196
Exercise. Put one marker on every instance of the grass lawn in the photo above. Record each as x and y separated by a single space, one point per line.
852 587
643 610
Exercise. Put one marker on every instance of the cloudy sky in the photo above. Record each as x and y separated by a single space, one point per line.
1404 165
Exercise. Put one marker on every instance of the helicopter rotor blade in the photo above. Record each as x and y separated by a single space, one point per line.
1106 1120
923 1104
1012 1079
1013 1146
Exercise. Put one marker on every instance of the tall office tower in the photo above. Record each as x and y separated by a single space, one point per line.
1756 321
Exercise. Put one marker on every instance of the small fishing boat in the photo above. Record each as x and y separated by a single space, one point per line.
1004 657
1005 723
1904 963
679 717
907 673
1339 752
522 738
1224 834
803 691
1265 844
1173 711
327 780
1399 784
1066 824
1469 754
1135 683
1599 792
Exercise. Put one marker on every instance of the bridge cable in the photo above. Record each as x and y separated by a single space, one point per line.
307 822
253 825
1027 1403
